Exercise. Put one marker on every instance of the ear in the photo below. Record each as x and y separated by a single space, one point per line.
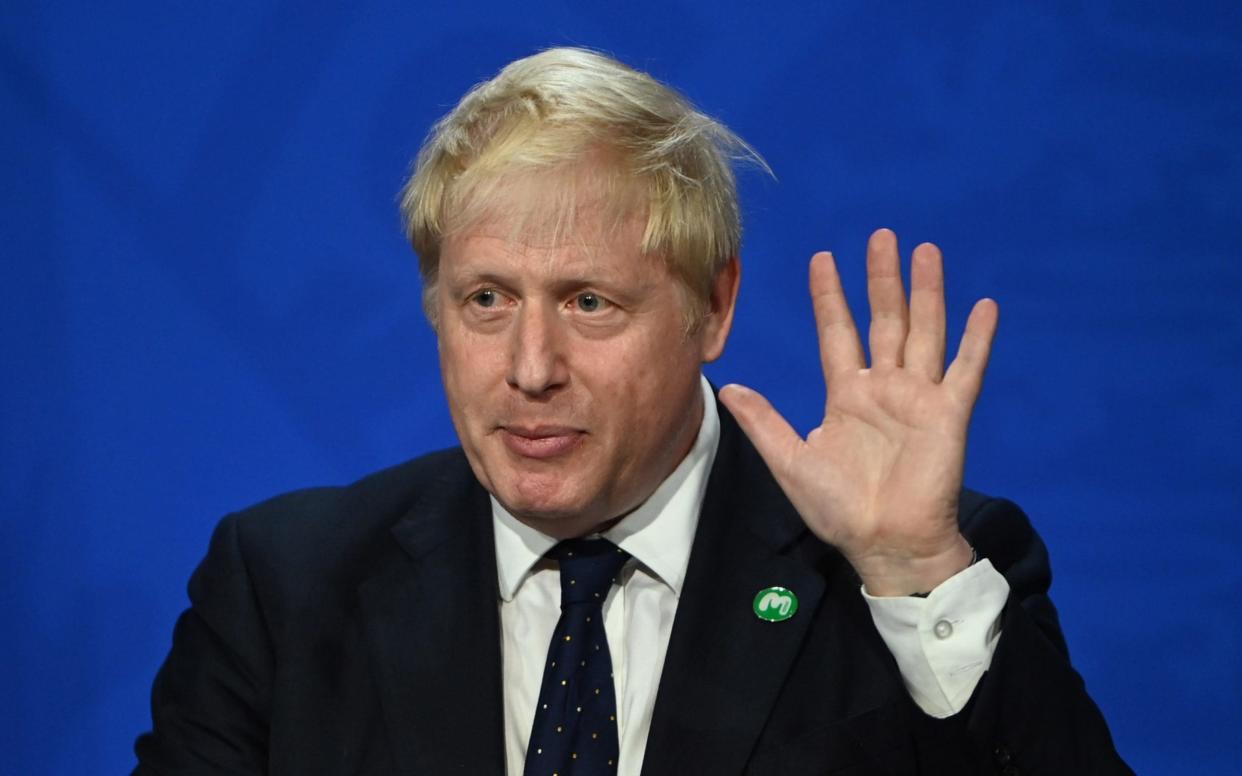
718 320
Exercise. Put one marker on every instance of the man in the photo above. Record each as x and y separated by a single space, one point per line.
835 604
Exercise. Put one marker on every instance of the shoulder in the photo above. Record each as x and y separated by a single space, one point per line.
326 532
999 530
375 500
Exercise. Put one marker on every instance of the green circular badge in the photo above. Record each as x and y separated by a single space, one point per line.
775 604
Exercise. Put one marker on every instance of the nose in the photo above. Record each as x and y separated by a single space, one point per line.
537 365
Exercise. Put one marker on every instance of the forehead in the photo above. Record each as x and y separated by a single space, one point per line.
516 259
573 217
587 198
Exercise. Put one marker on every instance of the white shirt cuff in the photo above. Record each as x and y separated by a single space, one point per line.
944 643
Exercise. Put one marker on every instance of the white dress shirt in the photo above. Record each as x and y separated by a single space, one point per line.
942 643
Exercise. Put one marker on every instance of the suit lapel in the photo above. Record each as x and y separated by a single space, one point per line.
431 621
725 667
432 627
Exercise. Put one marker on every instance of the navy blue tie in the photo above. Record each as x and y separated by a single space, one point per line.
575 730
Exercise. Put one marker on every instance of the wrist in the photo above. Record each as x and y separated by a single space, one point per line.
915 575
974 558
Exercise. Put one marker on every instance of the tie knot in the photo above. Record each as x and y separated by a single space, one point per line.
588 569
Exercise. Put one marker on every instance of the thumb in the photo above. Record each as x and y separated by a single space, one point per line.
769 432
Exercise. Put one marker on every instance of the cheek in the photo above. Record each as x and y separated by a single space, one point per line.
647 389
468 369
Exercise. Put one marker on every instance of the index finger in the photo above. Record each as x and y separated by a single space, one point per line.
839 347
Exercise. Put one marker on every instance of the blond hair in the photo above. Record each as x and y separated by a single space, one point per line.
544 114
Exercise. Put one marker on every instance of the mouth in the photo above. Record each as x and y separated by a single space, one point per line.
541 442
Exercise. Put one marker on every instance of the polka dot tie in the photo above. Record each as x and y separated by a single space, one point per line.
575 730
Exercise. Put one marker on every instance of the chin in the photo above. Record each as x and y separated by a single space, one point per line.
534 501
552 511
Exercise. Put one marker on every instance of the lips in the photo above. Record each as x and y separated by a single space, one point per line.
541 442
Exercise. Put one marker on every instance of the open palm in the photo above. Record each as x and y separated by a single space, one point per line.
880 477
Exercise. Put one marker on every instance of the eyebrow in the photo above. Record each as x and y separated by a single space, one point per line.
556 285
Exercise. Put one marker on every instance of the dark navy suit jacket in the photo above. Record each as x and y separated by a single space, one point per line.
356 631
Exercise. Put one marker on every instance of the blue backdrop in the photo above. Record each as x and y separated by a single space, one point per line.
206 298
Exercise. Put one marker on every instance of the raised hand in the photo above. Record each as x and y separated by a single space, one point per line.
879 479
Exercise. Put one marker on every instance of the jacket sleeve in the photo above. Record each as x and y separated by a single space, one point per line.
1031 713
210 701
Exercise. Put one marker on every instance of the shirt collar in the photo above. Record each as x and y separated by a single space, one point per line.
658 534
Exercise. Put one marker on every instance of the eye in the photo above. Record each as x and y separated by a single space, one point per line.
485 298
588 302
